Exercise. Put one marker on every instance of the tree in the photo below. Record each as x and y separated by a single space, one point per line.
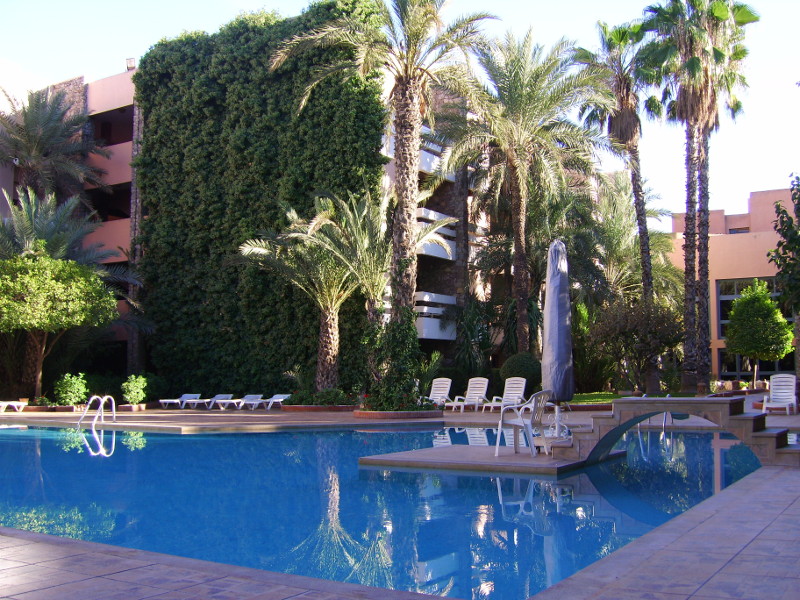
409 41
44 140
635 334
326 281
44 297
40 225
698 54
757 329
787 257
619 61
519 131
354 232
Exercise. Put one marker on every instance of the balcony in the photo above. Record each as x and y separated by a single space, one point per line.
430 322
112 235
425 216
117 166
110 93
428 159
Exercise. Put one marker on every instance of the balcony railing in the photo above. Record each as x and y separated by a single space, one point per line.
431 321
425 215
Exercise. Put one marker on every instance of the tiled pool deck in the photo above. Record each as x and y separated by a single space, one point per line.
743 543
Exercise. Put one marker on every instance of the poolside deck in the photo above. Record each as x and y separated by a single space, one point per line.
741 543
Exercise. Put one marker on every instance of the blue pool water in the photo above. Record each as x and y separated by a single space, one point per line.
298 502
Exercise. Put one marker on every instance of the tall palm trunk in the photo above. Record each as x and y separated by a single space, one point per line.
689 373
703 322
327 375
641 221
406 101
519 211
652 379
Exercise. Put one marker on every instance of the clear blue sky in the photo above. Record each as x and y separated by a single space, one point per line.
39 45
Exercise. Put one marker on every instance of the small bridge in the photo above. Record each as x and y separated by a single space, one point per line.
769 444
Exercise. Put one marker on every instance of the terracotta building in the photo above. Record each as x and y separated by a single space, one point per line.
738 246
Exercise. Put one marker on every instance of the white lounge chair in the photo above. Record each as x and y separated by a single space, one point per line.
267 402
782 394
17 405
514 415
440 391
207 402
474 396
236 402
513 393
178 402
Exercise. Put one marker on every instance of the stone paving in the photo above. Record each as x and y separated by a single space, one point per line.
743 543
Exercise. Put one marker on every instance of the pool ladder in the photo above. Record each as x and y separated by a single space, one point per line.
99 437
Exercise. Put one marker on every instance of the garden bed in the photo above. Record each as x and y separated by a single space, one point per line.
318 408
398 414
138 407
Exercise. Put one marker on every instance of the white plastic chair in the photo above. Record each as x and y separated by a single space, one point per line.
782 393
254 403
17 405
179 402
474 396
440 391
236 402
535 433
513 393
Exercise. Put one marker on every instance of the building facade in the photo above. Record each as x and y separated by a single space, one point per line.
738 246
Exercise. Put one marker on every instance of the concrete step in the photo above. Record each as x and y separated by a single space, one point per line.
759 420
788 456
779 434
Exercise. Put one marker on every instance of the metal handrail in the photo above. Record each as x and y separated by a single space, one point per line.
99 415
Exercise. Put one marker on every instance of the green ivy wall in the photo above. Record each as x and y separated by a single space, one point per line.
222 148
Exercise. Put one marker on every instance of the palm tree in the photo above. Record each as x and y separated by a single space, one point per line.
698 51
410 43
617 228
325 280
354 231
618 59
519 132
44 140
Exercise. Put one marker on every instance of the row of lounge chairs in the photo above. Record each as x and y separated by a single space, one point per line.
17 405
223 401
475 396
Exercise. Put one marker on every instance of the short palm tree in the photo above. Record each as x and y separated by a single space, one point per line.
517 129
698 52
44 140
618 60
325 280
410 43
354 231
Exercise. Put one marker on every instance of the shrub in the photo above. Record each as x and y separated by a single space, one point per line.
71 389
157 387
330 397
134 389
524 365
105 385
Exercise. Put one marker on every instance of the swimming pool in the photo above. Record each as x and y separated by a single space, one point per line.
297 502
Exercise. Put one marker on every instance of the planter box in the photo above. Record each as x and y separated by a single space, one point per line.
318 408
74 408
137 407
398 414
30 408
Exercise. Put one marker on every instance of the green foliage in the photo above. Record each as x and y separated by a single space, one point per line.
71 389
134 389
757 328
787 254
38 293
428 371
329 397
134 440
523 364
593 369
222 149
401 357
105 385
456 375
633 334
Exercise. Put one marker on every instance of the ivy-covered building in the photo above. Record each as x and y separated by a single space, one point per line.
207 151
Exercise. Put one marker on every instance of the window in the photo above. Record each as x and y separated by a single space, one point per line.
739 230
